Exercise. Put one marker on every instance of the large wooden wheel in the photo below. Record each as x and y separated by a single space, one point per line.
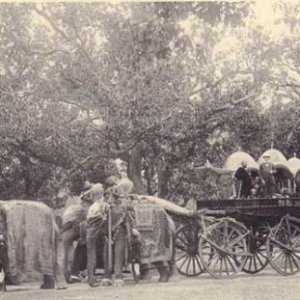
187 259
223 248
257 259
283 246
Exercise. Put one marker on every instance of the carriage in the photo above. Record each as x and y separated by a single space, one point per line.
228 236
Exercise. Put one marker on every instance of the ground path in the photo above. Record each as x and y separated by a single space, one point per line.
265 286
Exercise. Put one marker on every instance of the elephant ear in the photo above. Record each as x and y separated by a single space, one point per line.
73 213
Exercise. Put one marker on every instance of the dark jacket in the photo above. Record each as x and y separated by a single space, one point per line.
246 183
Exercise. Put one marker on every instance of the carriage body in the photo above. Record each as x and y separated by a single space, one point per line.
233 235
236 234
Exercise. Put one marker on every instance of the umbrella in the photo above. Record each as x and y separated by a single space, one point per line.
294 165
275 156
234 161
284 166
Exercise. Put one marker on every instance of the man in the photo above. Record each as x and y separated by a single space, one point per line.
267 171
118 187
244 182
92 195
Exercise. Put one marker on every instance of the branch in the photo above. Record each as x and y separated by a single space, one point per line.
136 139
211 86
7 93
46 17
232 103
293 85
45 53
24 150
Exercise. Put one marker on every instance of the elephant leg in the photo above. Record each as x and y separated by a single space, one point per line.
119 253
145 272
12 279
107 267
58 270
48 282
66 252
171 263
107 281
163 270
91 260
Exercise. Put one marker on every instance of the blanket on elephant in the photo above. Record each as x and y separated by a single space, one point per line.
155 236
151 221
29 230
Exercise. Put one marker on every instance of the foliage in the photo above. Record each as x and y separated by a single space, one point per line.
160 85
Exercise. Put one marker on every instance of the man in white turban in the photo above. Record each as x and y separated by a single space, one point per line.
119 186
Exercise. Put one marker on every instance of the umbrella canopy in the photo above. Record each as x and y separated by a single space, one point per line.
234 161
294 165
275 156
284 168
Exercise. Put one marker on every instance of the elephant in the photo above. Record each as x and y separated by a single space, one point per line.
73 230
29 242
72 224
142 230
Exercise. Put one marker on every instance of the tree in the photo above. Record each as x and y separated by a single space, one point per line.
156 84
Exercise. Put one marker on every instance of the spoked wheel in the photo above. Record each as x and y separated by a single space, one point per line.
257 259
283 247
187 258
223 248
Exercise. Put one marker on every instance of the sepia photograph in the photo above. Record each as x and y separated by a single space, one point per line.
150 150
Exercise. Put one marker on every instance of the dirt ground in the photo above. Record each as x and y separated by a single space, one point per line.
265 286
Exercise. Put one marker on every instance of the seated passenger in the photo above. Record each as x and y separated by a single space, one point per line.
253 193
285 192
258 186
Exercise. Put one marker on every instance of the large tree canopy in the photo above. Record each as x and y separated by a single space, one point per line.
159 85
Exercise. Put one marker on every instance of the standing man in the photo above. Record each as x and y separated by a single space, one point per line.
267 171
243 181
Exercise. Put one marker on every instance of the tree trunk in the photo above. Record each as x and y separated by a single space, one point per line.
27 178
135 169
163 184
164 175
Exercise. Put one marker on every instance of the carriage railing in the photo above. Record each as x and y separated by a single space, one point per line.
249 203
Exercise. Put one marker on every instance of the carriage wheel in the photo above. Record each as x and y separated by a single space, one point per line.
223 248
283 247
258 259
187 258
